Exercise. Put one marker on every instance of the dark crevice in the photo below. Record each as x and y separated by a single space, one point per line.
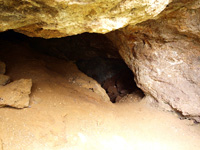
113 75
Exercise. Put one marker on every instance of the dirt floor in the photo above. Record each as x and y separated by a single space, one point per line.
68 112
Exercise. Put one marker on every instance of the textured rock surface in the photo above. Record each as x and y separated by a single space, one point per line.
164 55
91 85
58 18
16 94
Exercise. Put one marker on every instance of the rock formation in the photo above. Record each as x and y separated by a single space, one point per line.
16 94
164 55
59 18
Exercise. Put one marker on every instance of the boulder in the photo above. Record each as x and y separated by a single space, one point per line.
164 55
16 94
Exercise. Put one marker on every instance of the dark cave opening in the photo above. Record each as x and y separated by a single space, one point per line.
94 54
113 75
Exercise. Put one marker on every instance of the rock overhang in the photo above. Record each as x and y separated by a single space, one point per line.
59 18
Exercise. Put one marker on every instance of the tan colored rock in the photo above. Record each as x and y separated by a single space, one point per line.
164 55
4 79
16 94
92 85
2 67
58 18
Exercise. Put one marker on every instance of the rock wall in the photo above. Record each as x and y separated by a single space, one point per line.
164 55
59 18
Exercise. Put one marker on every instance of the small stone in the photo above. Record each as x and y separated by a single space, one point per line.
2 68
4 79
16 94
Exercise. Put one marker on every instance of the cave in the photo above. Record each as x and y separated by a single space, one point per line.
99 75
94 54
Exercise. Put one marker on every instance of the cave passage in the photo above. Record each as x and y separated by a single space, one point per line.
94 54
66 109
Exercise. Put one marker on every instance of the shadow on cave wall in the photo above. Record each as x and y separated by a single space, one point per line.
94 55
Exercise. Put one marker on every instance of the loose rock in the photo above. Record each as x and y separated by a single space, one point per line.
16 94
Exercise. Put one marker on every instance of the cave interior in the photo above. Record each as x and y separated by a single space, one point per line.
94 54
68 108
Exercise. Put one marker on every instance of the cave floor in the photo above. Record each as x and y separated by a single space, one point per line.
65 113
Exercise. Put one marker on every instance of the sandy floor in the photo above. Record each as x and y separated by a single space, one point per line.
65 114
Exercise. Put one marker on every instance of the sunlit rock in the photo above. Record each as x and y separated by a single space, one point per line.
58 18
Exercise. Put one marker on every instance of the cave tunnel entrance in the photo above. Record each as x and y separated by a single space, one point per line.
64 112
94 54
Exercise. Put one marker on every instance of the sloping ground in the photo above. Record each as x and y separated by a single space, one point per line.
66 113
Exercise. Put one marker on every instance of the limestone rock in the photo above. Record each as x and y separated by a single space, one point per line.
2 67
164 55
58 18
93 86
4 79
16 94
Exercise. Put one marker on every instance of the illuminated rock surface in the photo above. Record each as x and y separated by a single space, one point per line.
16 94
58 18
164 55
